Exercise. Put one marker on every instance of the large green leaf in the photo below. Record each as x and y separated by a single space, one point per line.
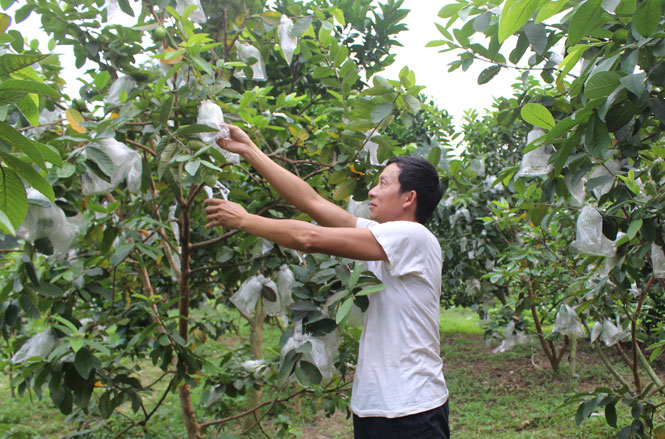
345 189
85 362
5 21
537 115
597 138
29 87
14 138
31 176
11 63
486 75
101 160
381 111
30 109
587 18
601 84
13 200
515 14
647 16
550 9
636 84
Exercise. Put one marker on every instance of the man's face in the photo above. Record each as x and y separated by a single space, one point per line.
385 198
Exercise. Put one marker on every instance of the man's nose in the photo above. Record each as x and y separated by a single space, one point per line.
371 192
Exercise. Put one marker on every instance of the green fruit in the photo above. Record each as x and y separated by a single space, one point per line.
620 35
159 34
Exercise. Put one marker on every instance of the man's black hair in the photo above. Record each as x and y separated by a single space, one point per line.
417 174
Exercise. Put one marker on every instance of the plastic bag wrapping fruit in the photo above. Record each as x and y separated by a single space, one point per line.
567 322
323 352
358 208
511 338
608 332
247 296
658 261
589 238
212 115
197 16
122 84
287 41
602 177
127 167
247 53
535 163
40 345
285 281
46 220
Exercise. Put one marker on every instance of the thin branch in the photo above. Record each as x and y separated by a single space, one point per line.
142 146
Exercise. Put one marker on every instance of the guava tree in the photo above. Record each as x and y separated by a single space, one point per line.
116 268
596 153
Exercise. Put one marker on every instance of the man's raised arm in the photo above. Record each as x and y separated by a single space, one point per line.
295 190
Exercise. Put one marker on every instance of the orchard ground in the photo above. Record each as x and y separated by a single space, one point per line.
493 395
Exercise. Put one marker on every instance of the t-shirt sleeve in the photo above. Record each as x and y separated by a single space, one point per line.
405 244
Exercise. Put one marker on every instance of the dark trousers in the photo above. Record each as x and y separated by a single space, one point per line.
432 424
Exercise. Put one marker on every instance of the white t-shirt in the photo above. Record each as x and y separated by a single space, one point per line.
399 369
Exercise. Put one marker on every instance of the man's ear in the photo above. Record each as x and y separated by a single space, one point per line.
410 199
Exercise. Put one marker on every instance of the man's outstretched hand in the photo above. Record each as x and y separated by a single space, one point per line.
224 213
239 142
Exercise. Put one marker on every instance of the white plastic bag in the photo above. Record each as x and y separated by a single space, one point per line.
658 261
46 220
608 169
511 338
40 345
322 354
577 192
288 42
212 115
372 149
123 83
218 190
461 212
358 208
535 163
245 52
612 333
472 285
567 322
197 16
285 281
258 368
478 167
247 296
128 167
589 238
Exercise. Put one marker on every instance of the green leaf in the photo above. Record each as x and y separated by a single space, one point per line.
434 156
537 115
636 84
287 365
611 414
550 9
634 227
601 84
355 275
371 290
381 111
29 87
5 21
412 103
515 14
121 253
31 176
537 36
14 138
308 374
647 16
126 7
49 153
301 25
6 225
339 16
29 108
165 110
597 138
192 166
344 190
11 63
13 199
85 362
343 310
195 129
101 159
588 17
487 74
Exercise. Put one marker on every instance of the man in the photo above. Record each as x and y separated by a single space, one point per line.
398 388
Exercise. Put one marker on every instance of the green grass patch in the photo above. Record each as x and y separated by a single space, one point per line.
460 321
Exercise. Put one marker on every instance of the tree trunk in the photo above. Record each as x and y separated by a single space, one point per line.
256 347
186 407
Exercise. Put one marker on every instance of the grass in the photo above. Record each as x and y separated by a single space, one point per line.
499 396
